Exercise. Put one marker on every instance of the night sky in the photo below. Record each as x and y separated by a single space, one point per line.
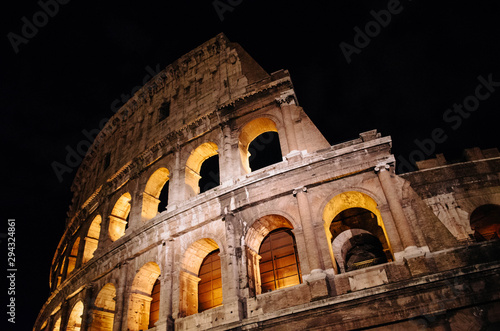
407 78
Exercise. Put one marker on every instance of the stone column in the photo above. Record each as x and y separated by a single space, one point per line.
87 307
176 186
120 322
229 163
402 225
165 321
64 315
313 254
232 259
291 138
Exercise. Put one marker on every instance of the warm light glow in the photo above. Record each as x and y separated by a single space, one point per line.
140 296
194 162
190 266
75 318
57 325
104 309
118 217
73 255
92 239
150 199
344 201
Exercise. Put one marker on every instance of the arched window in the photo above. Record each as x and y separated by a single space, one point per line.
155 197
200 285
209 173
259 144
73 256
210 285
264 151
57 325
348 214
272 258
141 297
75 318
279 264
118 220
154 310
204 153
357 240
92 239
103 313
485 221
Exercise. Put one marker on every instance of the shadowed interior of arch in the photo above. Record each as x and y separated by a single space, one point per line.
204 156
259 144
264 151
155 197
485 221
357 240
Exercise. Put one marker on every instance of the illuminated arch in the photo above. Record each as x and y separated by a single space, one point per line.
92 239
151 196
249 132
103 313
350 200
485 221
260 232
346 243
190 270
75 318
140 297
194 162
57 325
118 217
73 256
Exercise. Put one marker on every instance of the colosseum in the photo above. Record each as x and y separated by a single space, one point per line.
210 201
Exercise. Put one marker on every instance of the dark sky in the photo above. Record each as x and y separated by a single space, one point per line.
67 74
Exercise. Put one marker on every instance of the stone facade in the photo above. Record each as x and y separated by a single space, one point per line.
371 249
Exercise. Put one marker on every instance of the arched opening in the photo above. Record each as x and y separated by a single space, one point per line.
155 197
154 310
259 144
139 313
209 172
272 258
118 220
210 285
202 154
357 240
92 239
75 318
264 151
73 256
279 263
353 211
103 314
485 221
57 325
200 277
